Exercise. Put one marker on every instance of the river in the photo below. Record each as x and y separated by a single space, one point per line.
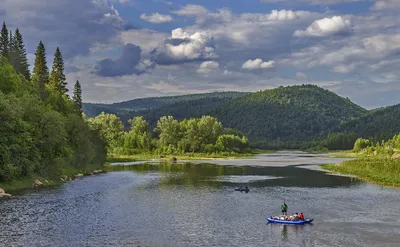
194 204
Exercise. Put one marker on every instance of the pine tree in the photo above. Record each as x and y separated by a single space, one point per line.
40 70
57 77
12 55
21 59
4 43
77 98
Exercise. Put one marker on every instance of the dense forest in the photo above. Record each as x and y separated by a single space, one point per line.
379 124
42 131
285 117
194 135
126 110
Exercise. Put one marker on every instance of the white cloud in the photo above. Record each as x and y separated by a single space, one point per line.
282 15
207 67
191 10
156 18
326 27
386 5
184 46
311 2
258 64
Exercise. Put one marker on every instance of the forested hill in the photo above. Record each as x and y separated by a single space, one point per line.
283 116
288 114
125 109
380 124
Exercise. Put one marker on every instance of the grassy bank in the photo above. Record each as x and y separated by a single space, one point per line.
188 156
378 170
27 183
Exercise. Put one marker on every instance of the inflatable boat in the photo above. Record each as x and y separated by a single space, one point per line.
296 222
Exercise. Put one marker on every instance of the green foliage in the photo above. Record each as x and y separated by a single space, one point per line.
4 41
361 144
382 148
340 141
195 135
110 128
138 139
297 117
181 107
20 60
40 76
41 137
57 78
77 98
380 124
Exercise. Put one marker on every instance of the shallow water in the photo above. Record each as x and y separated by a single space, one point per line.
194 205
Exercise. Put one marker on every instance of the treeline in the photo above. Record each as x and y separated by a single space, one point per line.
42 131
196 135
385 148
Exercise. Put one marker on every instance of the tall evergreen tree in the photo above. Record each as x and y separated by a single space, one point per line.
77 98
40 70
21 59
4 43
57 77
12 55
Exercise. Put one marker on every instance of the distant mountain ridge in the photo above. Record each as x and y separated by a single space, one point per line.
126 107
284 116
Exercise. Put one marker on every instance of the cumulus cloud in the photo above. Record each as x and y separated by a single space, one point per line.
258 64
185 47
386 4
191 10
207 67
126 64
311 2
326 27
156 18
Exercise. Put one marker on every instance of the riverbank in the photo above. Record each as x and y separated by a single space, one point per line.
188 156
377 170
69 174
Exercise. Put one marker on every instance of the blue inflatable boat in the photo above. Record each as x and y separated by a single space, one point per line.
297 222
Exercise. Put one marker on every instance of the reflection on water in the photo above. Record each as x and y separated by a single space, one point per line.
188 204
257 177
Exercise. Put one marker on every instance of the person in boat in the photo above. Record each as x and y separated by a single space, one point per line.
284 208
294 217
301 216
246 187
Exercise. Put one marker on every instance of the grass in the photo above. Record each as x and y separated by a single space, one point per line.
378 170
26 183
186 156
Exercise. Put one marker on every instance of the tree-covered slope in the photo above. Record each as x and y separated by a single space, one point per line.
125 109
380 124
294 113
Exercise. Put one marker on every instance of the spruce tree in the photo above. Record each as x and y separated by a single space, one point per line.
4 41
12 55
57 77
21 62
77 98
40 70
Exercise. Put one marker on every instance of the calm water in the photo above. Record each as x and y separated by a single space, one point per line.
195 205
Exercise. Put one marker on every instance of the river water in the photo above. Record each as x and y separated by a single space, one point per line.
194 204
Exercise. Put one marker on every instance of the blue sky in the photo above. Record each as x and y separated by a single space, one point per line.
126 49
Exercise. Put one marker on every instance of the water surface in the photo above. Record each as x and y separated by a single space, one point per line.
193 204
